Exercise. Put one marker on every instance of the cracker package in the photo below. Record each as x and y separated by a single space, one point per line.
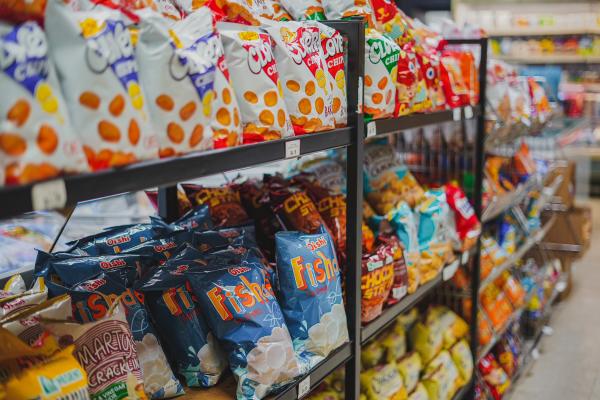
307 91
305 10
255 78
344 9
94 56
381 72
37 140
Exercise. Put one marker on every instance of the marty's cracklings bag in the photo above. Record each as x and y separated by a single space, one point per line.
36 139
94 56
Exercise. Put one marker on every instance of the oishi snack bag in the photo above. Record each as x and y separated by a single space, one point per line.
406 83
429 63
108 109
343 9
307 91
376 281
93 298
420 101
381 72
188 343
394 343
196 220
444 360
14 302
310 293
455 89
243 11
255 78
106 350
238 301
223 202
305 10
383 382
36 138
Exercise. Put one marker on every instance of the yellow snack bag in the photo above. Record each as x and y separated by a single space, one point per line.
383 382
420 393
438 385
372 354
427 339
407 320
463 359
394 344
444 361
453 327
410 369
14 302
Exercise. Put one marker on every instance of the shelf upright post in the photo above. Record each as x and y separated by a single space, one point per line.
168 204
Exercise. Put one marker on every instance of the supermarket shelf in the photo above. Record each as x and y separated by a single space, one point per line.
226 389
68 191
543 31
502 203
517 255
393 125
498 335
388 316
550 59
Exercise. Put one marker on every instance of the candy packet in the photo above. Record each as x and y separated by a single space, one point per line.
381 73
109 111
248 52
37 141
307 91
310 293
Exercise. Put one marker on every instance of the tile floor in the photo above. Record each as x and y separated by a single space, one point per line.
569 364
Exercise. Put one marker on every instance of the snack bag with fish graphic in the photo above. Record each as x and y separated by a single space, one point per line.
36 139
381 72
177 68
237 299
310 293
307 91
106 350
255 79
344 9
305 10
94 56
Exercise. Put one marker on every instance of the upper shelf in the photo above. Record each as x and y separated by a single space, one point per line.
550 59
544 31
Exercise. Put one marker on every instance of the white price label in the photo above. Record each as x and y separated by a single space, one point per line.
399 292
468 112
360 96
292 149
371 129
49 195
456 114
450 270
465 258
304 387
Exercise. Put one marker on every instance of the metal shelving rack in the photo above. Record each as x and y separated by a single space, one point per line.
66 192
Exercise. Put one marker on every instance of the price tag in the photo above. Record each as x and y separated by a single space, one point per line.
450 270
304 387
371 129
360 96
49 195
465 258
468 112
292 149
456 114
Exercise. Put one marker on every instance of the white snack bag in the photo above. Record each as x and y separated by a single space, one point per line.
341 9
36 138
305 9
94 57
256 82
381 74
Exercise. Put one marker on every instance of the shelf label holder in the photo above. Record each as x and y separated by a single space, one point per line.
49 195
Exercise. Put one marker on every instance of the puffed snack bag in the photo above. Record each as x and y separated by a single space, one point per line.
94 57
307 90
381 71
255 78
305 9
36 138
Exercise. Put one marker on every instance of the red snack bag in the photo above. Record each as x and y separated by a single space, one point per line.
455 88
512 289
420 102
376 282
467 224
470 75
22 10
494 376
400 286
223 202
406 83
429 63
295 209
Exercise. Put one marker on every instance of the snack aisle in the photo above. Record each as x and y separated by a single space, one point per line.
379 257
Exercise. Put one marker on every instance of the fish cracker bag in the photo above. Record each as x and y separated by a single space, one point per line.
195 220
381 72
237 299
188 343
310 293
36 140
406 83
106 350
307 90
94 56
223 202
92 300
305 9
177 71
345 9
391 20
255 78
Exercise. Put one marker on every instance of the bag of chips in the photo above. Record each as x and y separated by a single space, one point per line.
37 141
401 282
376 281
295 209
406 83
14 285
494 376
465 221
255 78
420 102
383 382
15 301
305 10
427 338
372 354
420 393
455 89
463 359
224 204
241 11
310 293
410 369
108 111
237 299
106 350
345 9
196 220
444 361
438 384
381 73
394 344
512 289
429 63
188 343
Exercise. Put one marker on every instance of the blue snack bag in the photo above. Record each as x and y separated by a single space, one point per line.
221 239
197 219
92 300
189 344
433 214
163 247
240 307
402 221
310 293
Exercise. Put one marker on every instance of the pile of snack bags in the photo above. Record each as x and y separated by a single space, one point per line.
106 83
419 357
248 278
430 225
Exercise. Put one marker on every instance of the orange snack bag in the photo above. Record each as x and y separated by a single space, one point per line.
255 79
307 91
94 56
36 138
22 10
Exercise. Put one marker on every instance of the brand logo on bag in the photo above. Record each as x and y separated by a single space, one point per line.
113 264
118 240
313 245
95 284
260 57
235 271
385 51
159 248
322 269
